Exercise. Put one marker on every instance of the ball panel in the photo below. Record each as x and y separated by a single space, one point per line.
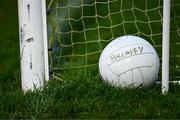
125 52
125 79
148 78
130 63
138 79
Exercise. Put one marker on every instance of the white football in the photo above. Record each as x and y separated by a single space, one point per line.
129 61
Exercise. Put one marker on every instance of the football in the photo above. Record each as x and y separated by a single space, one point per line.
129 62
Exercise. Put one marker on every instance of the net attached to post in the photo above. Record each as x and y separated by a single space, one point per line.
80 29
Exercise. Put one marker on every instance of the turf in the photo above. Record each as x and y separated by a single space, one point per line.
91 99
71 97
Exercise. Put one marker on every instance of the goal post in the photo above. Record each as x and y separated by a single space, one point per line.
33 44
165 46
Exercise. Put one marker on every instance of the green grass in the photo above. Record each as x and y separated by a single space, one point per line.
71 97
90 98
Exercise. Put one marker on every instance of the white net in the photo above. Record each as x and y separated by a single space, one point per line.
80 29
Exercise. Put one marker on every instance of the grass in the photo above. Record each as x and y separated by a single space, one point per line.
71 97
89 98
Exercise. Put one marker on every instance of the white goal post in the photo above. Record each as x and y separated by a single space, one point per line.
34 44
165 46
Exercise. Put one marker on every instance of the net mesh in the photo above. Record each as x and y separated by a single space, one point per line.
80 29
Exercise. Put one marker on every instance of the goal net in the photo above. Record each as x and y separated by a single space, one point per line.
80 29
